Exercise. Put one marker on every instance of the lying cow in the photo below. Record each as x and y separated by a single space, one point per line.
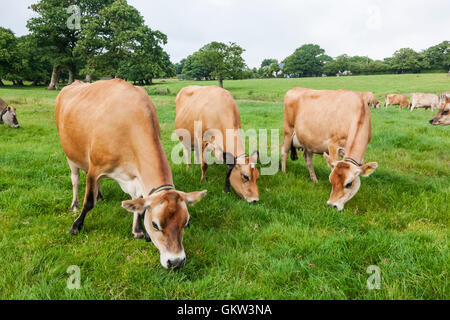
443 117
397 100
370 100
329 123
217 112
424 100
109 129
8 115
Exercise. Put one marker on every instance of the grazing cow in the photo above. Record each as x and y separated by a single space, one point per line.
443 117
217 113
371 100
333 122
8 115
424 100
109 129
397 100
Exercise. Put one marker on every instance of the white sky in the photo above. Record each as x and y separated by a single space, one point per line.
275 28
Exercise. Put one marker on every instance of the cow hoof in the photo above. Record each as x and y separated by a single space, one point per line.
315 180
138 235
74 208
73 231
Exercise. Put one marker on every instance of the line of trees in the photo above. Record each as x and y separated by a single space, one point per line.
112 40
311 60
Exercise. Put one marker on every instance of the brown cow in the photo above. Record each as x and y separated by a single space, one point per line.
370 99
337 122
424 100
109 129
217 114
397 100
443 117
8 115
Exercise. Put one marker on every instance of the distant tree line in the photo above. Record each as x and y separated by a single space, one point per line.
310 60
112 41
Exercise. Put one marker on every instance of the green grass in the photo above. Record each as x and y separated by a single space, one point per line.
289 246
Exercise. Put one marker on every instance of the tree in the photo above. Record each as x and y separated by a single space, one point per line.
439 56
407 60
268 62
179 66
8 52
192 69
222 60
50 29
308 60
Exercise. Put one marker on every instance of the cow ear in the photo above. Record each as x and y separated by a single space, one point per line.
254 157
193 197
229 159
138 205
368 169
330 162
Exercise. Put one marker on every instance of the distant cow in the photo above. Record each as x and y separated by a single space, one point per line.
397 100
424 100
371 100
443 117
217 112
329 123
109 129
8 115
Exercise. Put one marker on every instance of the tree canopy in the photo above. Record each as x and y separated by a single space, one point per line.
216 60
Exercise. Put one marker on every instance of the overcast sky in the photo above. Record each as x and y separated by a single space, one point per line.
275 28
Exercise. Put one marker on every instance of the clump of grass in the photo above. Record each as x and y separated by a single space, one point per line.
159 91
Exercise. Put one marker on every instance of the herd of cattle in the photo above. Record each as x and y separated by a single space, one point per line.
110 129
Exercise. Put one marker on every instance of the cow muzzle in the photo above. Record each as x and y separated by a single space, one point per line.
169 261
337 206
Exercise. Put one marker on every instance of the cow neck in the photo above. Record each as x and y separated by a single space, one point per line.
155 171
358 139
238 148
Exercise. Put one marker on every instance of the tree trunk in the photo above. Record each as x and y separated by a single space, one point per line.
221 83
55 78
20 83
2 84
71 76
88 78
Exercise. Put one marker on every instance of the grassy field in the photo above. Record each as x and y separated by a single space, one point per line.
289 246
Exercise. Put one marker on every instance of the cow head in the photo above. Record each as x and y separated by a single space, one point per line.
242 175
166 215
345 180
443 117
8 115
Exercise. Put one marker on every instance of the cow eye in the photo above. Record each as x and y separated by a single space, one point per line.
445 113
155 225
246 178
349 185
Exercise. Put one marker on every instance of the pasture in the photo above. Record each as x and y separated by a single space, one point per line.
289 246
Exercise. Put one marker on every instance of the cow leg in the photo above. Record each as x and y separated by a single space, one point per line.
204 168
286 147
187 156
412 108
100 195
138 229
75 176
89 203
309 162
